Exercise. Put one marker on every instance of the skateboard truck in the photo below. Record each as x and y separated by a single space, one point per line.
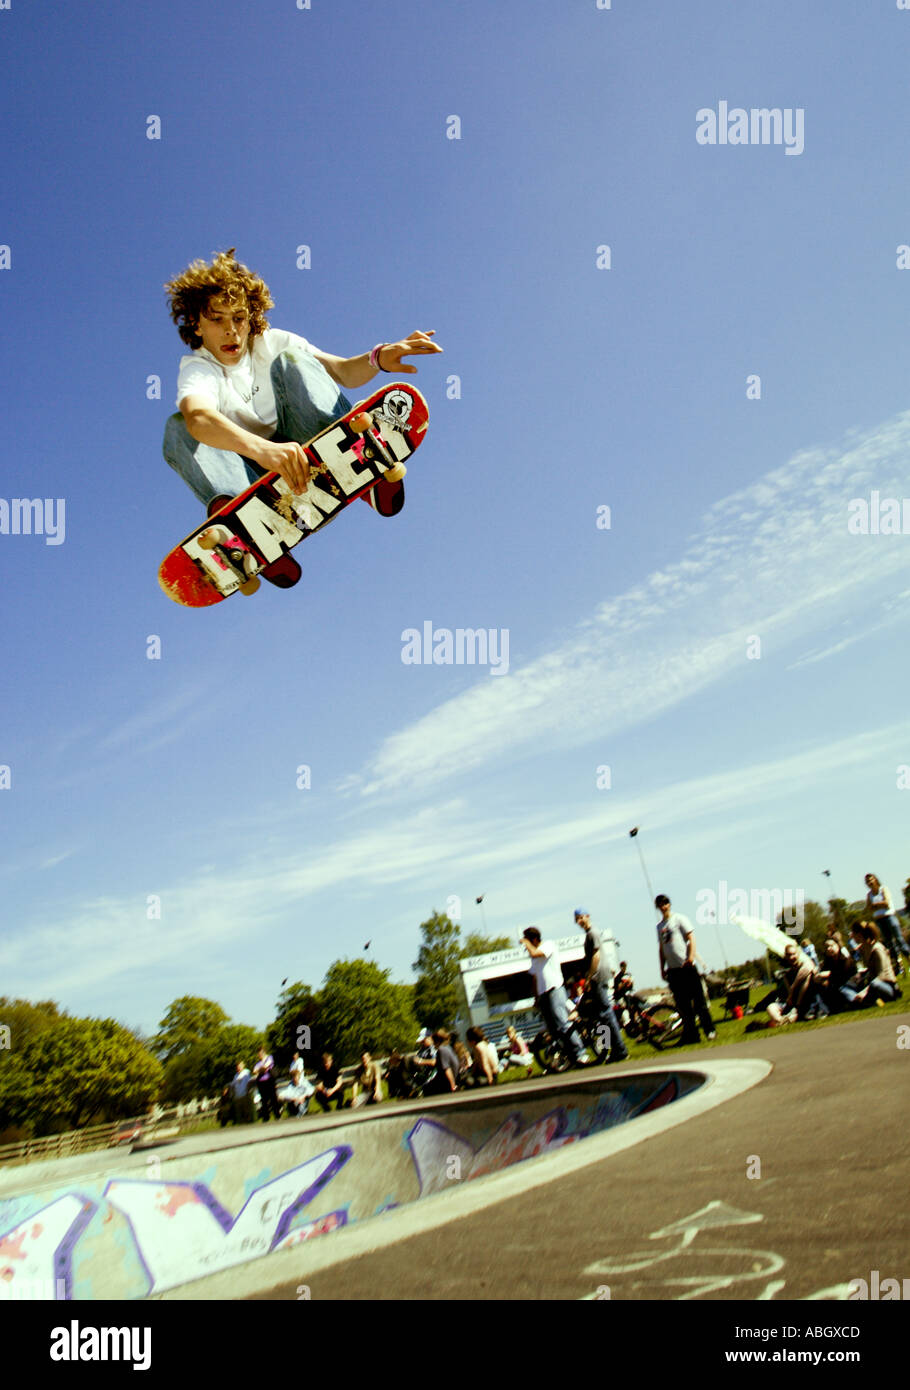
373 447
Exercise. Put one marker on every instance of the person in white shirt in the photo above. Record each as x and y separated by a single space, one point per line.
250 396
886 919
676 943
550 994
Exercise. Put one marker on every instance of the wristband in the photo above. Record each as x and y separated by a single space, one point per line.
374 356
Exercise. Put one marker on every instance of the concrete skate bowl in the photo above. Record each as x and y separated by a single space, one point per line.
113 1225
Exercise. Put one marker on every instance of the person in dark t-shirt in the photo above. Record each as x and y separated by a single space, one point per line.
446 1079
329 1085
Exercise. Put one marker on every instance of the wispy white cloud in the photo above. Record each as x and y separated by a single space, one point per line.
161 721
774 559
205 915
52 860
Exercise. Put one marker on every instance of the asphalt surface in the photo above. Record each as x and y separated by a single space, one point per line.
789 1190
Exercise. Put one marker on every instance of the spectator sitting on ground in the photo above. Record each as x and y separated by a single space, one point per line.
485 1061
368 1078
296 1095
425 1056
833 935
446 1079
575 992
800 991
464 1077
395 1077
809 950
880 983
851 946
329 1084
518 1055
836 971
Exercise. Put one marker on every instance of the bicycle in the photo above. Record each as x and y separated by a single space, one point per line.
657 1024
552 1055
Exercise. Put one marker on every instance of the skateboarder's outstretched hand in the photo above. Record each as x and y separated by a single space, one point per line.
417 342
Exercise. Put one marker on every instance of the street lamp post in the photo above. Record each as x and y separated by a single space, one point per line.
633 835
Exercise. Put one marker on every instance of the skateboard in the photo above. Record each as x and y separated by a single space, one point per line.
226 552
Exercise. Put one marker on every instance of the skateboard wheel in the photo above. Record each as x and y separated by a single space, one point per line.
207 541
395 474
361 423
250 586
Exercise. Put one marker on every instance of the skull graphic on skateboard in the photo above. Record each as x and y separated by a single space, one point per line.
347 459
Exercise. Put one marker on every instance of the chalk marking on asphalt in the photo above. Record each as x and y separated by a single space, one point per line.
723 1079
760 1263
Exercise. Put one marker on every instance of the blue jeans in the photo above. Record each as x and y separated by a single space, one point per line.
892 938
554 1009
307 399
878 989
607 1019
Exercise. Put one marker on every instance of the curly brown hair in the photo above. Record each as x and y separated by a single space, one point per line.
190 293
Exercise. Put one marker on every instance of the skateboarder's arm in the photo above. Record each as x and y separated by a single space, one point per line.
357 371
209 426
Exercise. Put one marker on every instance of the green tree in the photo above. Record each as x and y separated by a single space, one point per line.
475 944
188 1020
206 1067
436 993
86 1071
295 1028
22 1023
361 1010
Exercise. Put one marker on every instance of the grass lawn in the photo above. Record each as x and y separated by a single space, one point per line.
737 1030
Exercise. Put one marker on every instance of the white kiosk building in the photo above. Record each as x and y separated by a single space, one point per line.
495 990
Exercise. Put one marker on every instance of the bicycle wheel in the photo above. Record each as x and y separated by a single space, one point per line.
664 1026
598 1040
554 1057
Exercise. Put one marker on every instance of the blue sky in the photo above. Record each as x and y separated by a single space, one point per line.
175 779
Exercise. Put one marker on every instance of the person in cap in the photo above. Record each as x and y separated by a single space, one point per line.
599 972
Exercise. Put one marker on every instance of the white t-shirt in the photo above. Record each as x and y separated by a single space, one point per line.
242 393
673 936
881 903
547 972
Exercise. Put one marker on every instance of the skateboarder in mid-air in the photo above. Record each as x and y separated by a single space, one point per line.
250 395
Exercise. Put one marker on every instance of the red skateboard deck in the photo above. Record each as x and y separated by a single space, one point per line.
347 458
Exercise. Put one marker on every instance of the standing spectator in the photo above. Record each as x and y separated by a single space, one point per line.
329 1084
599 971
887 921
446 1079
367 1078
676 941
518 1055
264 1076
225 1110
242 1097
809 951
549 993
